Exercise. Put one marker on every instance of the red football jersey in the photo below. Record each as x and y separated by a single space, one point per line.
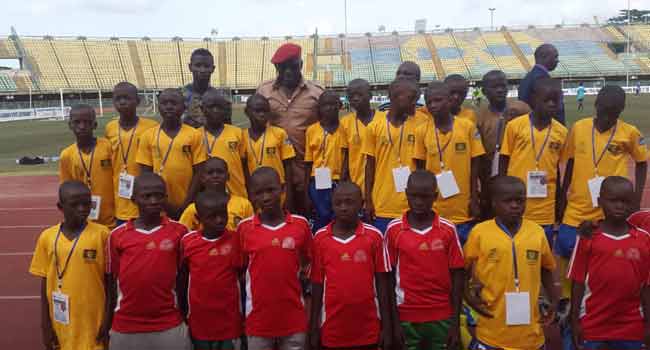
422 261
346 268
640 219
213 291
145 264
274 257
614 270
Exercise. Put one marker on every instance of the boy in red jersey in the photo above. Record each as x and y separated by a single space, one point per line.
349 280
276 249
610 275
211 261
429 268
143 263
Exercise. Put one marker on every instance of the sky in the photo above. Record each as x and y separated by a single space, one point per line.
245 18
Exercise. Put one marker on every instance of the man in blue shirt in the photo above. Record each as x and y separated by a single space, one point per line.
546 59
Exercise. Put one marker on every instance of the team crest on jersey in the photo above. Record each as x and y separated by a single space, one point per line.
166 245
151 245
275 242
493 255
288 243
615 149
270 151
232 145
555 146
384 140
360 256
461 147
619 253
423 246
105 163
410 138
213 252
187 149
90 254
437 244
345 257
225 249
532 256
633 254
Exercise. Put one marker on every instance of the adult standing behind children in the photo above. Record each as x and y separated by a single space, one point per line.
294 104
201 66
546 59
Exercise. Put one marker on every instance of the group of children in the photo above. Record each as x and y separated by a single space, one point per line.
394 244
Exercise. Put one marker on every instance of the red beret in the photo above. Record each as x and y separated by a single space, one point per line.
286 52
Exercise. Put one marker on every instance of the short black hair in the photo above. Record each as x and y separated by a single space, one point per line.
613 92
542 50
83 107
201 52
497 183
403 83
546 83
255 97
211 198
455 77
148 177
614 181
328 93
219 160
71 185
492 74
126 85
435 86
359 83
415 66
423 176
263 172
174 91
347 186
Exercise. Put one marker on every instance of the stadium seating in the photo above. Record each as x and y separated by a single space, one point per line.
249 63
75 63
361 63
414 48
165 60
7 48
503 54
139 51
268 68
231 63
450 55
477 57
108 66
41 50
385 57
7 84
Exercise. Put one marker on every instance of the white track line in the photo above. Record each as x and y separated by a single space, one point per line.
26 209
20 297
11 227
17 254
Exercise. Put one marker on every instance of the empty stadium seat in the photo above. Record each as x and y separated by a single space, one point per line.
7 84
414 48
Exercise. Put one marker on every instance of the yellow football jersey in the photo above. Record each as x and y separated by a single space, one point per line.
230 147
325 150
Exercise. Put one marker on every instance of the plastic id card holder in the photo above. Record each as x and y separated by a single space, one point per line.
594 189
495 164
95 204
517 308
401 178
447 184
323 178
537 184
61 308
125 183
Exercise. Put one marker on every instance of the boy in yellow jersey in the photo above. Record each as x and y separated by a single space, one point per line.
224 141
267 145
451 148
124 134
70 260
508 260
458 88
389 147
89 160
532 146
174 151
355 125
214 177
326 158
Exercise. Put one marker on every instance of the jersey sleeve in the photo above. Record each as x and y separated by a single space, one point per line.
113 254
188 218
640 219
455 253
241 145
286 148
248 210
309 150
476 144
344 138
578 265
317 274
199 153
568 151
382 258
145 156
41 258
638 148
508 142
472 247
369 142
391 245
65 167
548 260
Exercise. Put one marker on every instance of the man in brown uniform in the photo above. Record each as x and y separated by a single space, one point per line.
294 106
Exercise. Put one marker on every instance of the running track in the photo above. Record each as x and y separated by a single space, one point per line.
27 206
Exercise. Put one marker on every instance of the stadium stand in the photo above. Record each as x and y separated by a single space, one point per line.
7 84
79 63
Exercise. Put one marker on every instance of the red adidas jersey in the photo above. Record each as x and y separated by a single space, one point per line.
213 291
640 219
614 270
145 264
274 257
346 268
422 262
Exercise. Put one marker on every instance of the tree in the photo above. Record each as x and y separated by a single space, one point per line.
636 16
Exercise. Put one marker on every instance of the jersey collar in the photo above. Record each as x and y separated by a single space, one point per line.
405 222
288 218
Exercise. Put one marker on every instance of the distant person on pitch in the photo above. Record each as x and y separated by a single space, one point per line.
580 96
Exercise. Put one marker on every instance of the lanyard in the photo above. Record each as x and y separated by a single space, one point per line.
593 145
441 151
125 156
258 161
390 139
87 170
356 123
532 142
61 273
323 145
163 161
514 252
500 124
210 146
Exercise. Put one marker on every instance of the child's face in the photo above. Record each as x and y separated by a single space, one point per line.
438 102
608 109
616 201
457 92
82 123
125 100
257 112
359 97
171 106
75 206
328 109
403 99
215 109
496 90
510 203
213 219
201 67
214 174
150 198
420 197
266 193
346 205
547 102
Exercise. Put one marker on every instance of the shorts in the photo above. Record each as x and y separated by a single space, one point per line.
322 203
478 345
565 241
290 342
463 230
176 338
382 224
550 234
231 344
613 345
426 335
